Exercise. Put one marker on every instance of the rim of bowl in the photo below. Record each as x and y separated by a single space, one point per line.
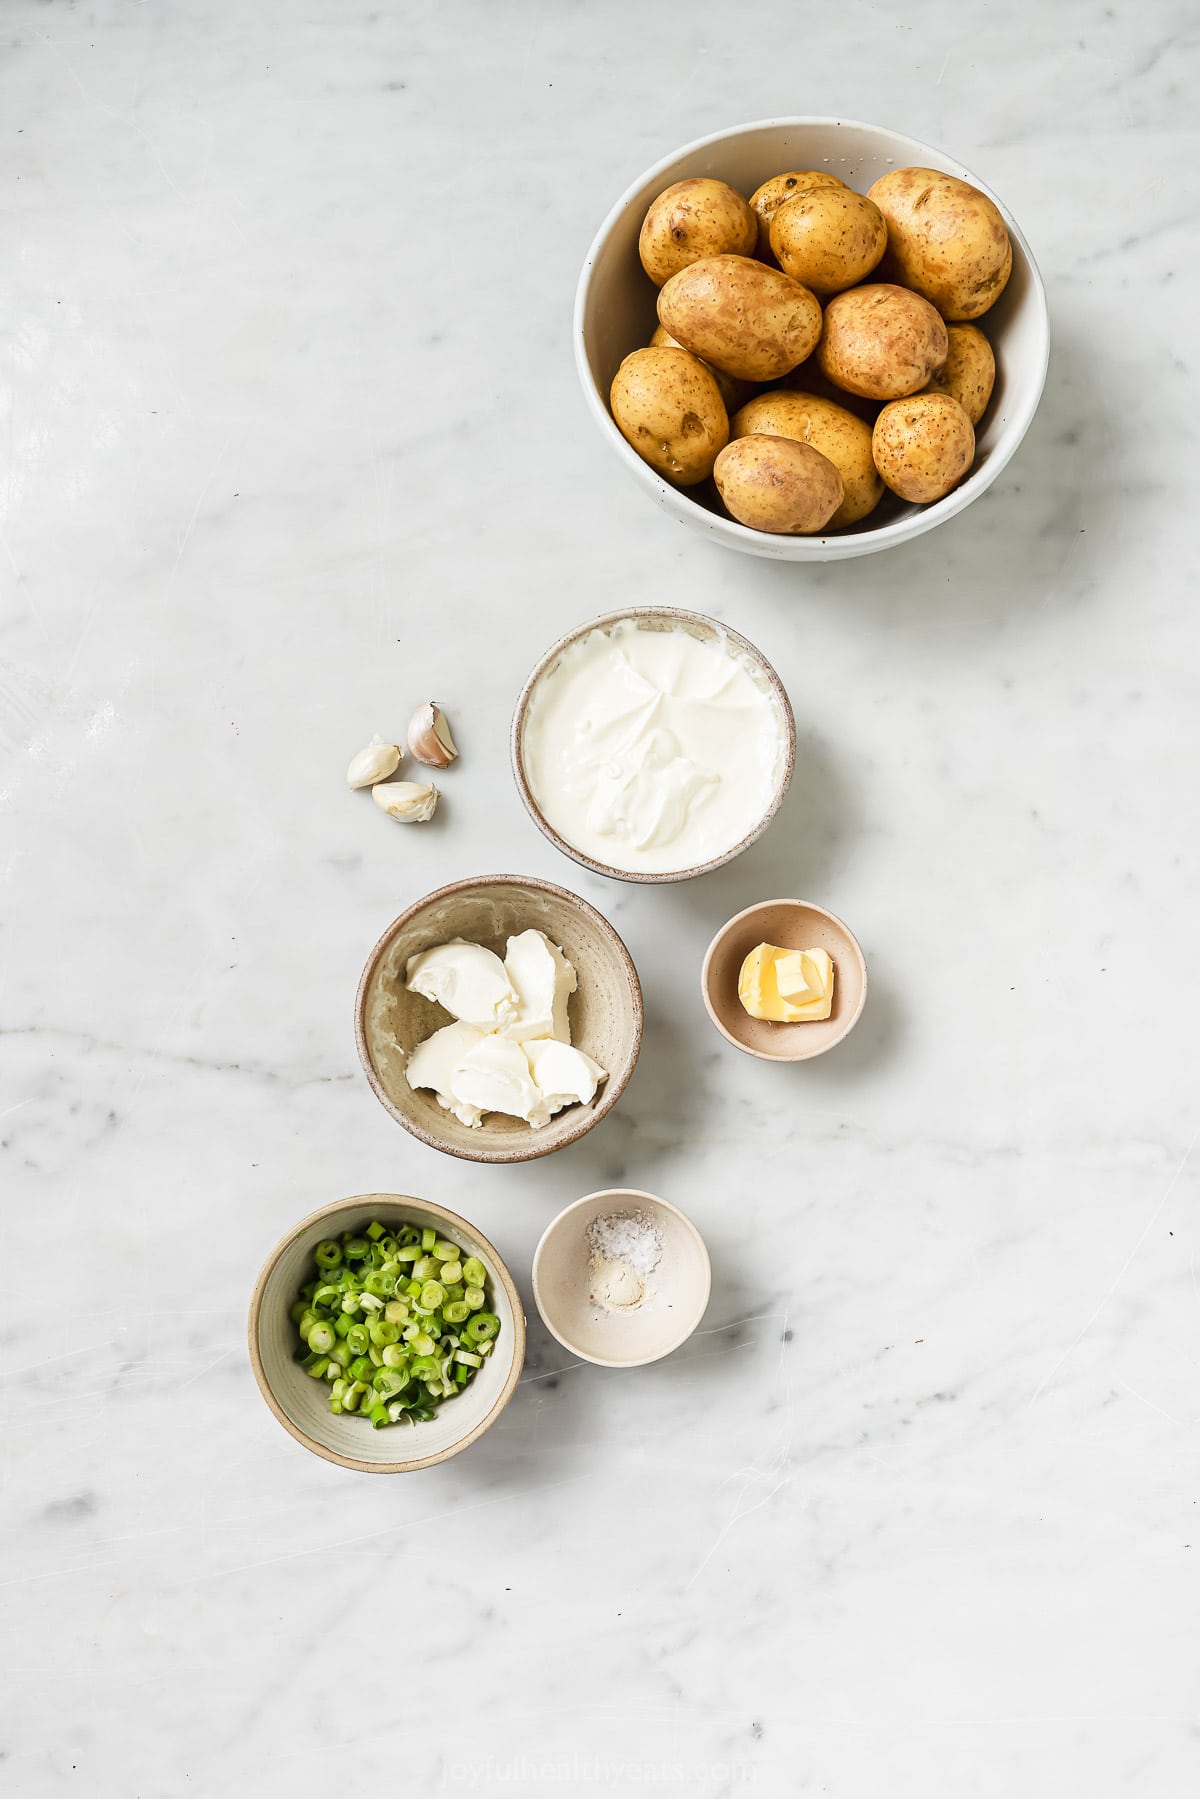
765 1055
605 619
620 1193
614 1086
412 1463
816 547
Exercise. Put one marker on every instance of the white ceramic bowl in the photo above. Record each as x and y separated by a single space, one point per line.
615 313
707 630
302 1404
562 1280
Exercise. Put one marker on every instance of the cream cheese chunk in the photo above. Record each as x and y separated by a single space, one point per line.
495 1076
433 1063
564 1076
467 979
544 981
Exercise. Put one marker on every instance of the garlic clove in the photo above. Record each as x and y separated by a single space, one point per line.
412 802
375 763
429 736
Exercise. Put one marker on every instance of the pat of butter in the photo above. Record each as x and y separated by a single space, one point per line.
785 986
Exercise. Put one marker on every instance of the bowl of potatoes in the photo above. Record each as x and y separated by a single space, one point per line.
811 338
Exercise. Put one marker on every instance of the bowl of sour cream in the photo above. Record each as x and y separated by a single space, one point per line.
653 744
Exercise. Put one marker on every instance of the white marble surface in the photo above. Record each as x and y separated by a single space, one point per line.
294 442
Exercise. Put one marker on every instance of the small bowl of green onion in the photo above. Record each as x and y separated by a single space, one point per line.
386 1334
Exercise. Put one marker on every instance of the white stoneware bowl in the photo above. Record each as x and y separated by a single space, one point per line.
707 630
615 313
301 1404
605 1009
562 1281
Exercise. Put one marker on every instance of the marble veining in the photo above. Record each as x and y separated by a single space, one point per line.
293 442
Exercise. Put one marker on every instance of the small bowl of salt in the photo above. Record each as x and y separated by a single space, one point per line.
621 1277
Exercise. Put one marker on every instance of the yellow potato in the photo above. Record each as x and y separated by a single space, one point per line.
766 200
946 240
881 341
751 321
691 219
776 484
923 446
829 428
668 407
734 393
969 371
828 238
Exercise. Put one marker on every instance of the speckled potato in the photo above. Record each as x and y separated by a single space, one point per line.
668 407
946 240
923 446
881 341
751 321
734 393
969 371
828 238
829 428
691 219
766 200
776 484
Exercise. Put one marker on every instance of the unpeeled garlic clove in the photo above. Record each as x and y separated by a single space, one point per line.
375 763
412 802
429 736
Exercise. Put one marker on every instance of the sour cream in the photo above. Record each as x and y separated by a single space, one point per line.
652 750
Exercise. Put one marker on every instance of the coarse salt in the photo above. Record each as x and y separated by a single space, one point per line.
628 1237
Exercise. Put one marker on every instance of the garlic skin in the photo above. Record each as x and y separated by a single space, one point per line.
410 802
375 763
429 736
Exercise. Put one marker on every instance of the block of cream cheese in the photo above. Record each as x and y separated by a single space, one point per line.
786 986
544 982
467 979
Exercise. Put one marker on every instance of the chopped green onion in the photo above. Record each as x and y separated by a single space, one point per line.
400 1331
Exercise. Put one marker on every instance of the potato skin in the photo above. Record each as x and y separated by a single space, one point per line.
946 240
766 200
734 393
828 238
829 428
923 446
691 219
776 484
752 321
969 371
668 407
882 341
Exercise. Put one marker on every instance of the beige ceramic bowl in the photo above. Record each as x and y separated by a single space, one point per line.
301 1404
658 618
615 313
792 924
680 1284
605 1011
